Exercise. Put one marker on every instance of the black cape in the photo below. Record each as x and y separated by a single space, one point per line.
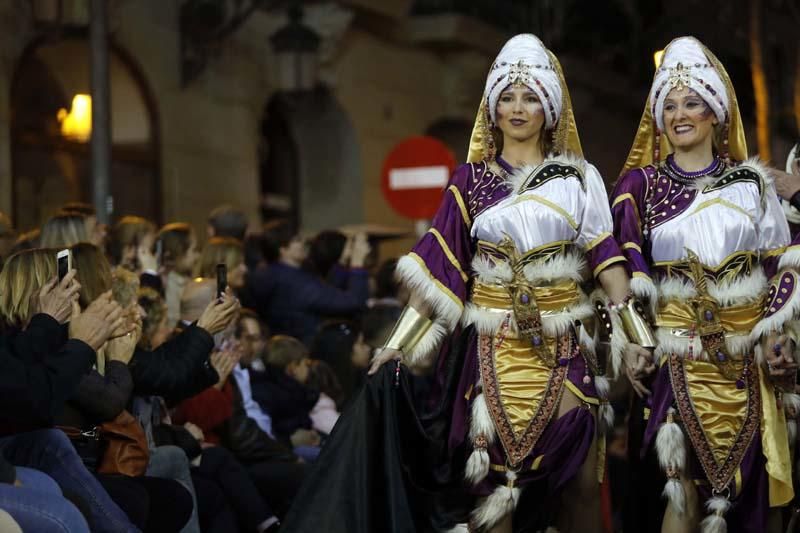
383 468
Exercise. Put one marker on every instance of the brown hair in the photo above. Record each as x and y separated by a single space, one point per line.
23 274
155 310
93 272
176 239
124 285
219 250
283 350
63 230
129 231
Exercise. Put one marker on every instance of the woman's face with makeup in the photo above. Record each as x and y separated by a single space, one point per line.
688 120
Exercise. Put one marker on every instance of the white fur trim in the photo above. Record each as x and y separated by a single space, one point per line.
481 420
739 291
459 528
715 522
412 275
492 271
565 266
487 321
788 312
495 506
791 430
790 259
477 467
756 165
559 323
520 176
645 289
679 345
423 353
675 495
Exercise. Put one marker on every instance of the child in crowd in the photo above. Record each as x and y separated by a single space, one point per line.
282 391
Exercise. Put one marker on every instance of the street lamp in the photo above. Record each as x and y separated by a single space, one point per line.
296 46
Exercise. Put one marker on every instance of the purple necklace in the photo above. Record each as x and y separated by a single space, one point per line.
671 168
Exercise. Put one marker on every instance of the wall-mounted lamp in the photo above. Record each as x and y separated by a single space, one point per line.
76 124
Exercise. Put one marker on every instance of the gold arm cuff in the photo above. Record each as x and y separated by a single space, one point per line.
409 329
636 327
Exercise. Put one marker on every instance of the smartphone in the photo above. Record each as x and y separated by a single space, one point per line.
64 261
222 279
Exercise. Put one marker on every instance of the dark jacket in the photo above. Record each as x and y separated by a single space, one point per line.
39 370
99 398
294 302
287 401
178 369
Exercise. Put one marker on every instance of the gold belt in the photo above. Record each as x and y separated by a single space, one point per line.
736 320
552 299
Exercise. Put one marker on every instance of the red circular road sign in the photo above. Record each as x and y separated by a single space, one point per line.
414 174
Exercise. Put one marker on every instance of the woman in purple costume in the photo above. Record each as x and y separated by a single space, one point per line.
708 246
523 228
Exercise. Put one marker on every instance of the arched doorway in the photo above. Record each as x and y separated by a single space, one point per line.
51 168
310 162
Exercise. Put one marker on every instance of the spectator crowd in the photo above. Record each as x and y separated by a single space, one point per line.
137 396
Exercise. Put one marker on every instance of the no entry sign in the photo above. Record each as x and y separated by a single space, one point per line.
414 174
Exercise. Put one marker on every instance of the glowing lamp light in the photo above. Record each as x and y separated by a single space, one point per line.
76 124
657 57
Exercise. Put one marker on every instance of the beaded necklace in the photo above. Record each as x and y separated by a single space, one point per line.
677 174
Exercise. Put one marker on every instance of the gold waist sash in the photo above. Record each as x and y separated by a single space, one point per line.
679 315
551 299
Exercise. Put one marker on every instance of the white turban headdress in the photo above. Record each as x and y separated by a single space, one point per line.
685 64
524 60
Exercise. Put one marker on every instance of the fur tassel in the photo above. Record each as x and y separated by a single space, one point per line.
791 430
494 507
413 276
715 521
671 450
422 355
645 289
673 492
606 416
791 401
459 528
671 446
481 420
603 387
477 466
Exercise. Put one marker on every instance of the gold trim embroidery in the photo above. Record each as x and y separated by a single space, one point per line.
719 475
448 252
461 205
518 449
